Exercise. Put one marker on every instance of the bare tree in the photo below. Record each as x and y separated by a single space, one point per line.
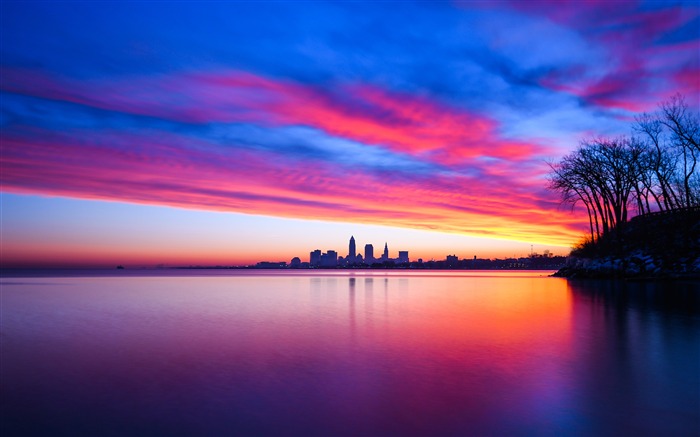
566 178
655 171
604 175
673 136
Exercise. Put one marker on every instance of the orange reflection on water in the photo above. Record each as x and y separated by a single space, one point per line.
419 349
442 311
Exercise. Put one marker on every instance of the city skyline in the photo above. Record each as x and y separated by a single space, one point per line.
158 224
146 133
331 258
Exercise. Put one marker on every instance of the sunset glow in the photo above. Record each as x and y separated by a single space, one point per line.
239 132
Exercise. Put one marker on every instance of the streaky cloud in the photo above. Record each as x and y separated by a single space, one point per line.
173 171
334 111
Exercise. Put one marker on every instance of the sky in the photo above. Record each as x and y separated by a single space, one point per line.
226 133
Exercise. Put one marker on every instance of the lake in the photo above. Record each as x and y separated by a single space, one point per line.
347 353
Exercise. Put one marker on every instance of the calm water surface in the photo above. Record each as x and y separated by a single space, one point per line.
343 353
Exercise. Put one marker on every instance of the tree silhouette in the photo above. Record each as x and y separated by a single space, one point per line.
657 170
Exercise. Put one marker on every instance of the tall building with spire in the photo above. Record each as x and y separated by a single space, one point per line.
385 255
351 250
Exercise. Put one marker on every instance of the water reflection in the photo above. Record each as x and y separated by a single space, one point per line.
635 351
369 301
351 306
662 297
351 354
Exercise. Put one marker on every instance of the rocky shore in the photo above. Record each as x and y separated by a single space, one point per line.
636 265
655 246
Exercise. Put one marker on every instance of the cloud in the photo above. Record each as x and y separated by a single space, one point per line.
332 111
173 170
641 52
403 123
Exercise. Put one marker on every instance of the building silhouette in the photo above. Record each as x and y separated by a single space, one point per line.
315 258
351 251
369 253
451 260
329 259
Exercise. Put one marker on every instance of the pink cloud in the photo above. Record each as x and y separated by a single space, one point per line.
403 123
183 171
689 81
177 171
637 71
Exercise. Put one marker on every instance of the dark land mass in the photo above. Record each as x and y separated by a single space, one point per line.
657 245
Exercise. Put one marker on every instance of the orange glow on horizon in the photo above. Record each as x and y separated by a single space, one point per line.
477 184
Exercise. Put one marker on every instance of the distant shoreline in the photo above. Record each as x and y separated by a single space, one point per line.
223 271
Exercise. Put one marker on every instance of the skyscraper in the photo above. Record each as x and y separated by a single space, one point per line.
351 250
329 259
315 257
369 253
385 255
